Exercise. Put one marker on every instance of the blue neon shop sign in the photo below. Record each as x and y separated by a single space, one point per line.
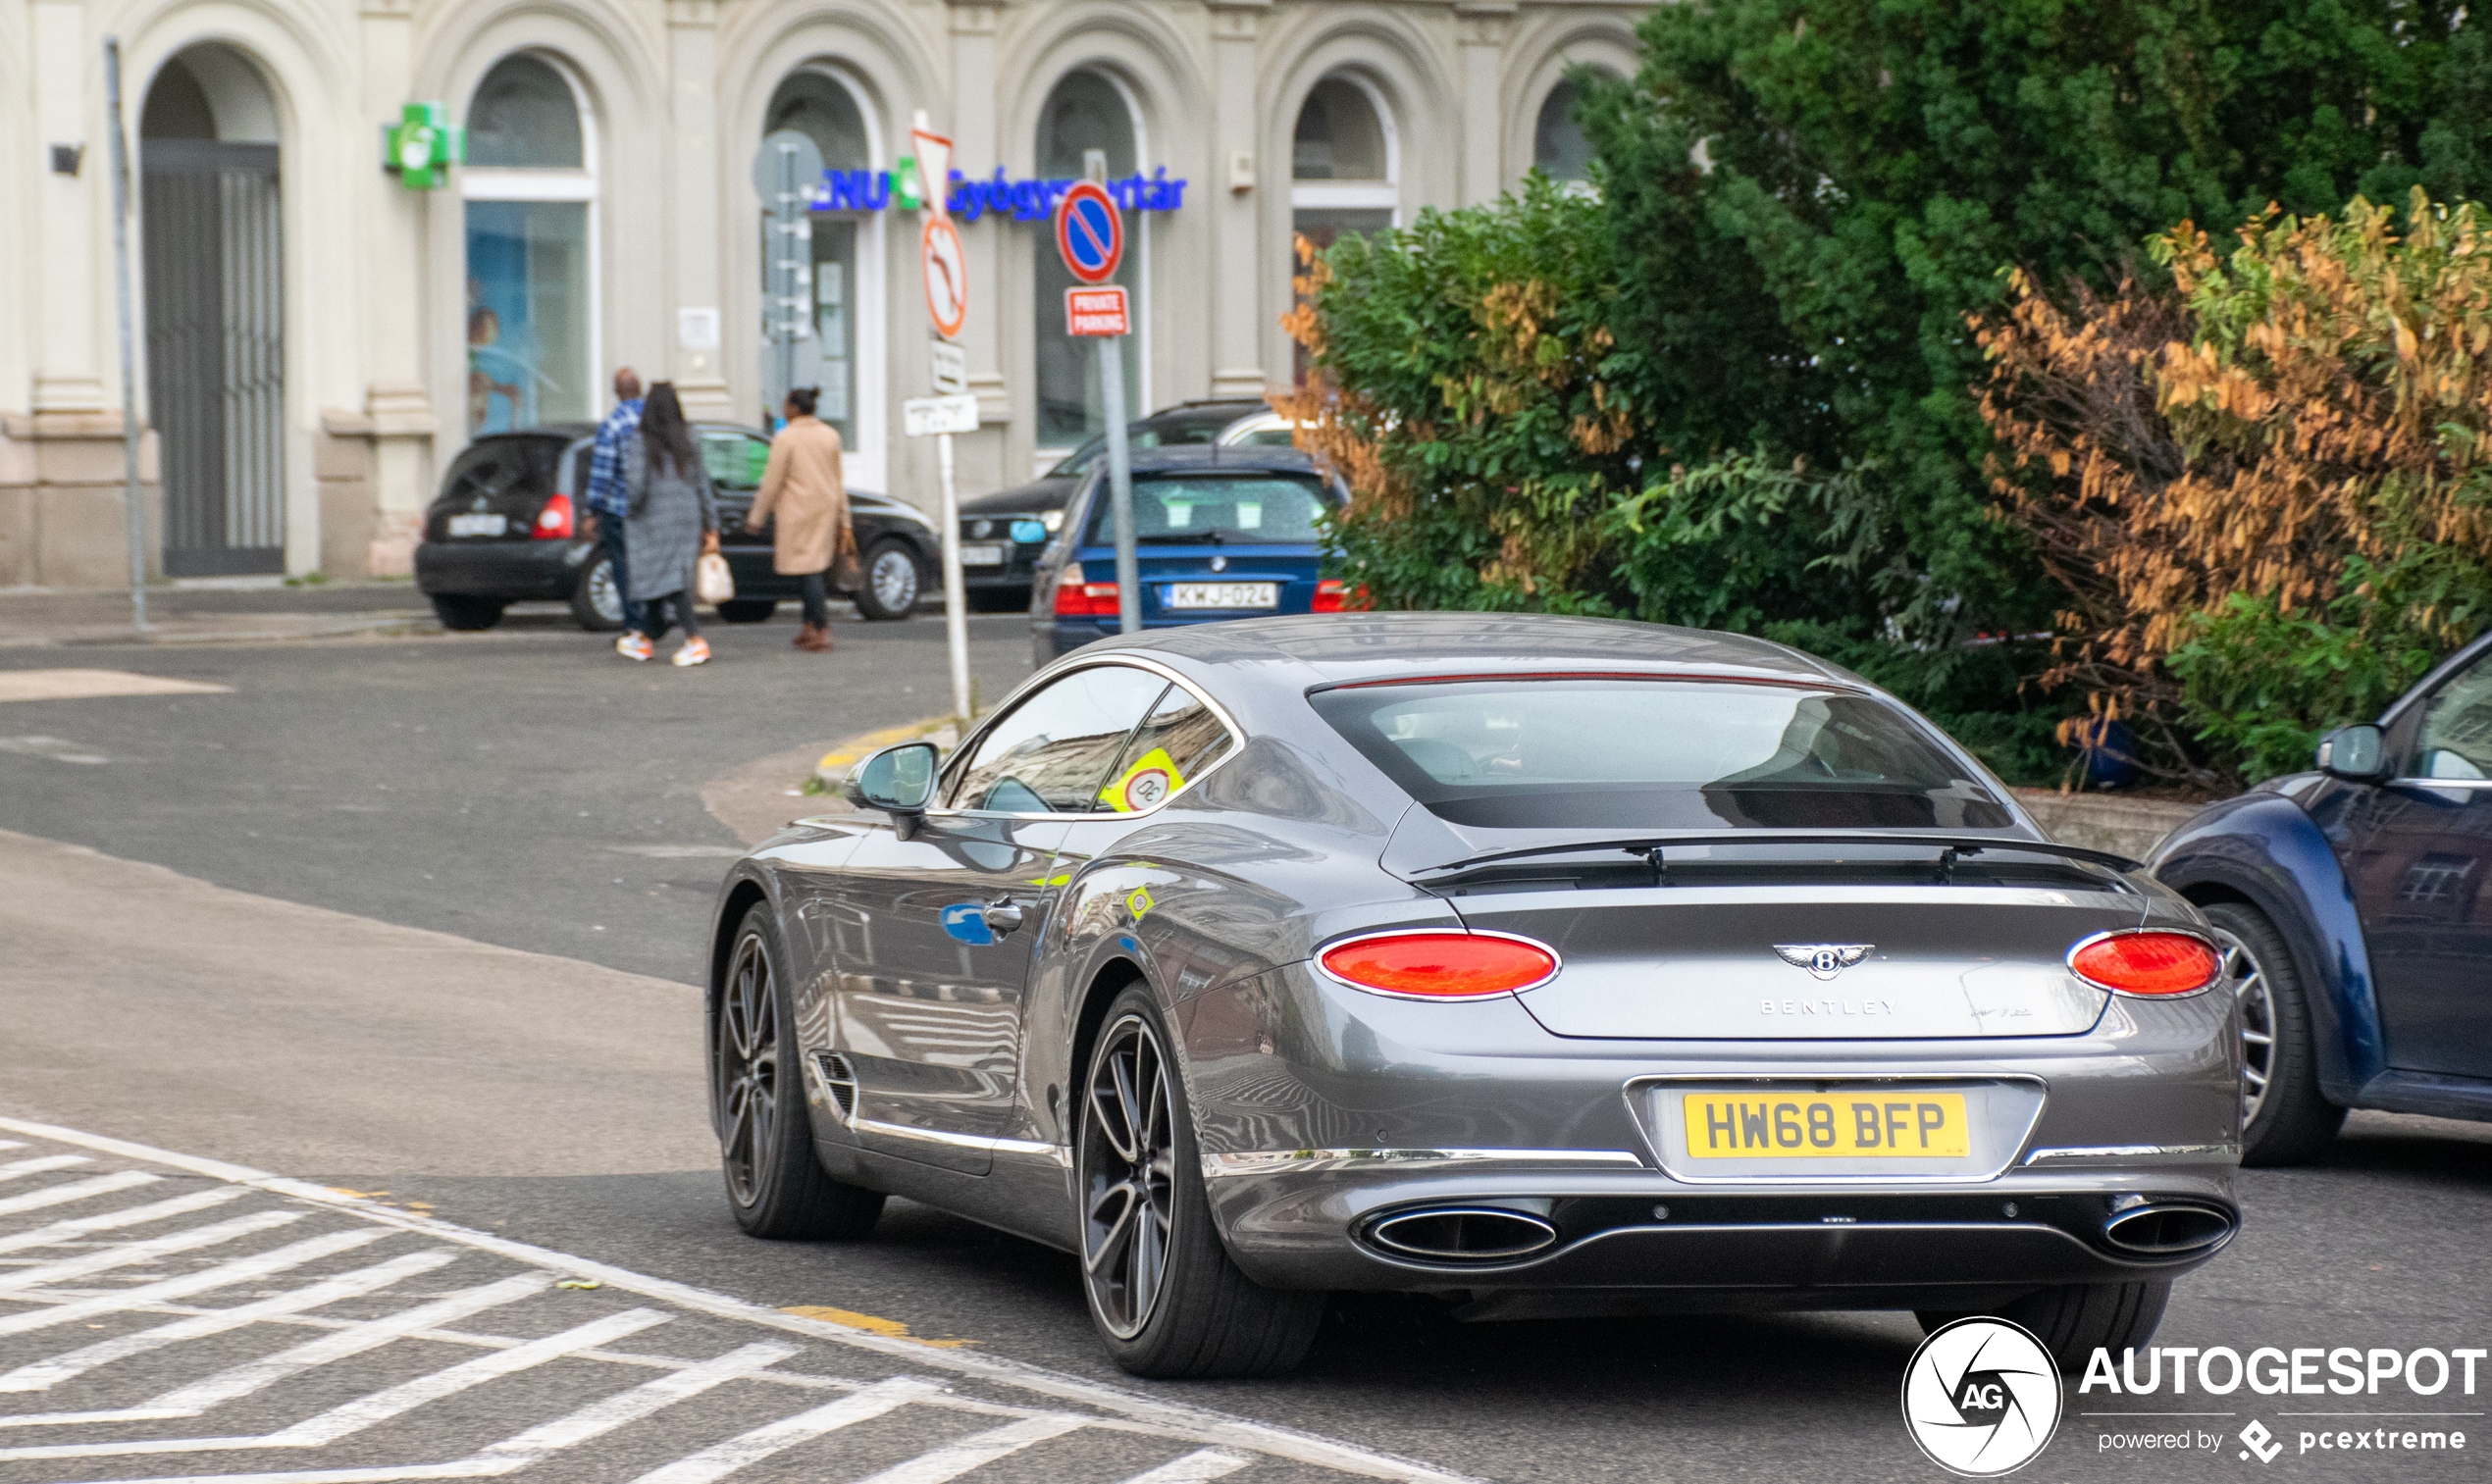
1026 200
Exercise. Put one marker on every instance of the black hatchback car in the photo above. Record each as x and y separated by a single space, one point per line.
510 526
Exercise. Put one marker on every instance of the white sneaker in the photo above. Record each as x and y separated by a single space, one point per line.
633 646
696 651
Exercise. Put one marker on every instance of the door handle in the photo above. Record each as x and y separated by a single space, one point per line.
1003 916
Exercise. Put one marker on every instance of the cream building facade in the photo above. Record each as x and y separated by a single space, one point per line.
316 339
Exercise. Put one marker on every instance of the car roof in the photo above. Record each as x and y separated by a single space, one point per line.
1329 648
1241 459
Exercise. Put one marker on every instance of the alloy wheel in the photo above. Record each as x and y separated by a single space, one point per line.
749 1070
1129 1166
2250 989
893 578
603 595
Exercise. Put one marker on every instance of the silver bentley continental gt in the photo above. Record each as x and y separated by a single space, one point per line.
1539 966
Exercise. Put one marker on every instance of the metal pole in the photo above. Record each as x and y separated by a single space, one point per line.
785 257
1112 388
133 507
956 597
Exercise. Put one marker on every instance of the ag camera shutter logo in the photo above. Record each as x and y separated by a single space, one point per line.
1981 1397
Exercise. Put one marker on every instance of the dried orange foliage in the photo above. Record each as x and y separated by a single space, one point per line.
1331 425
2321 394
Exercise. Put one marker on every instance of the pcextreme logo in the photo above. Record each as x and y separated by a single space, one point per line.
1981 1397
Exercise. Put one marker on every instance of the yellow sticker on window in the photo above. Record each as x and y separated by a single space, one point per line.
1152 778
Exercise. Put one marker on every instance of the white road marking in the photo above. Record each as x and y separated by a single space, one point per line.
138 1216
46 1162
87 684
365 1411
1123 1410
43 1375
957 1457
224 1274
720 1459
58 748
1197 1468
76 1190
47 1274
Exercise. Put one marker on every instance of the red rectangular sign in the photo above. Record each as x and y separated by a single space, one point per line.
1096 311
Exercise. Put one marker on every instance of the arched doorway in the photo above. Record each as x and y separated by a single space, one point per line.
1086 131
212 250
843 352
530 184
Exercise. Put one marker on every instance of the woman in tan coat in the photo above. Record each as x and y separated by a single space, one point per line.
803 488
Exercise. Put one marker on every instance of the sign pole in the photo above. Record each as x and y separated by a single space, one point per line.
1090 236
132 503
956 597
943 261
1112 393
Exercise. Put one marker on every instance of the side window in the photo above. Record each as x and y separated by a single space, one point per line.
735 460
575 480
2456 727
1176 742
1053 752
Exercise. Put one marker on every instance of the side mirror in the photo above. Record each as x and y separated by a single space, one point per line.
2354 752
897 779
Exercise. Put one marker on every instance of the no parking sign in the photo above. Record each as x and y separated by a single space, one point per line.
1090 232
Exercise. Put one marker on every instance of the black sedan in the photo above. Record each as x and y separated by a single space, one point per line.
1539 965
1003 534
510 526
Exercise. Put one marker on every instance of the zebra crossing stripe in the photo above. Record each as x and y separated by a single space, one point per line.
76 1190
37 1165
71 1228
128 1254
720 1459
957 1457
1197 1468
365 1411
43 1375
240 1269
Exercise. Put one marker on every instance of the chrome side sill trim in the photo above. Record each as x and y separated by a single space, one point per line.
2134 1151
1274 1161
1026 1149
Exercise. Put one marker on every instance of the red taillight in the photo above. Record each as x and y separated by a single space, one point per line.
2147 963
1332 596
1077 597
1440 964
553 523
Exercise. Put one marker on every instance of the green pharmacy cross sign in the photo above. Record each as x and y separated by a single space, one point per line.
423 146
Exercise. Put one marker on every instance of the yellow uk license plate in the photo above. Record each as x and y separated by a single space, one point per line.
1827 1125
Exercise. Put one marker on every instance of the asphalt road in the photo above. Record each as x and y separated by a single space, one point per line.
526 788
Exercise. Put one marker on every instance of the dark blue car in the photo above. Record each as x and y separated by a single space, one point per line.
1220 532
2355 907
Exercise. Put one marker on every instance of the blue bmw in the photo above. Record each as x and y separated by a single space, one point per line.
2354 907
1220 532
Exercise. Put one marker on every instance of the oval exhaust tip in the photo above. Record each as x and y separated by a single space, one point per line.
2166 1229
1463 1234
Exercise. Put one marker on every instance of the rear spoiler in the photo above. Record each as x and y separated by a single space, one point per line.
1655 849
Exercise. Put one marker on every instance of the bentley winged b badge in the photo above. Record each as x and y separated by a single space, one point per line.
1823 960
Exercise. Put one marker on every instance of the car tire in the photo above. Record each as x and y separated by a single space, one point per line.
467 614
2285 1118
596 603
1164 1294
2075 1319
748 610
892 580
775 1187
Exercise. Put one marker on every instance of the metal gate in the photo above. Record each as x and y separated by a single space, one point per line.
216 375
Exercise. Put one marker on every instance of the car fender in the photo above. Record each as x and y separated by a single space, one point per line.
2263 847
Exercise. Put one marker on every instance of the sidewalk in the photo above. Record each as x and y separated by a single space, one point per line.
42 618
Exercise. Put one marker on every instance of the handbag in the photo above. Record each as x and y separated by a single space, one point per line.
848 573
712 582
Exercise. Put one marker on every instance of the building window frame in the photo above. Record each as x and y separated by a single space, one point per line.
1355 195
1138 258
550 185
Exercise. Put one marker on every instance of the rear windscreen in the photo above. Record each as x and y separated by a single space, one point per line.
1257 509
1658 754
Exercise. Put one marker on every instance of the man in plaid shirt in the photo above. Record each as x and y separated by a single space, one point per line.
605 494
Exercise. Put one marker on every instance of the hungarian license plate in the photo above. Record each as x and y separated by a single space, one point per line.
473 523
1903 1125
990 555
1223 594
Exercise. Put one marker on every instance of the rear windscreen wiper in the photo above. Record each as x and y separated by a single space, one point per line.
1655 849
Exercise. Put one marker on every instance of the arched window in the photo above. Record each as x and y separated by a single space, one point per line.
1344 166
821 108
1558 146
1087 129
530 186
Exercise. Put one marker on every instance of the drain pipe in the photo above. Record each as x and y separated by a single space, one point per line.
132 503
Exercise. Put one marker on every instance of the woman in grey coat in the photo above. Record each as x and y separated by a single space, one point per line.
673 518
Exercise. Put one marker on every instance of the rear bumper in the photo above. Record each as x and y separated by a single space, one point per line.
516 571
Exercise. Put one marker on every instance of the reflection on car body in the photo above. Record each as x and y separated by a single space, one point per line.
1545 966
